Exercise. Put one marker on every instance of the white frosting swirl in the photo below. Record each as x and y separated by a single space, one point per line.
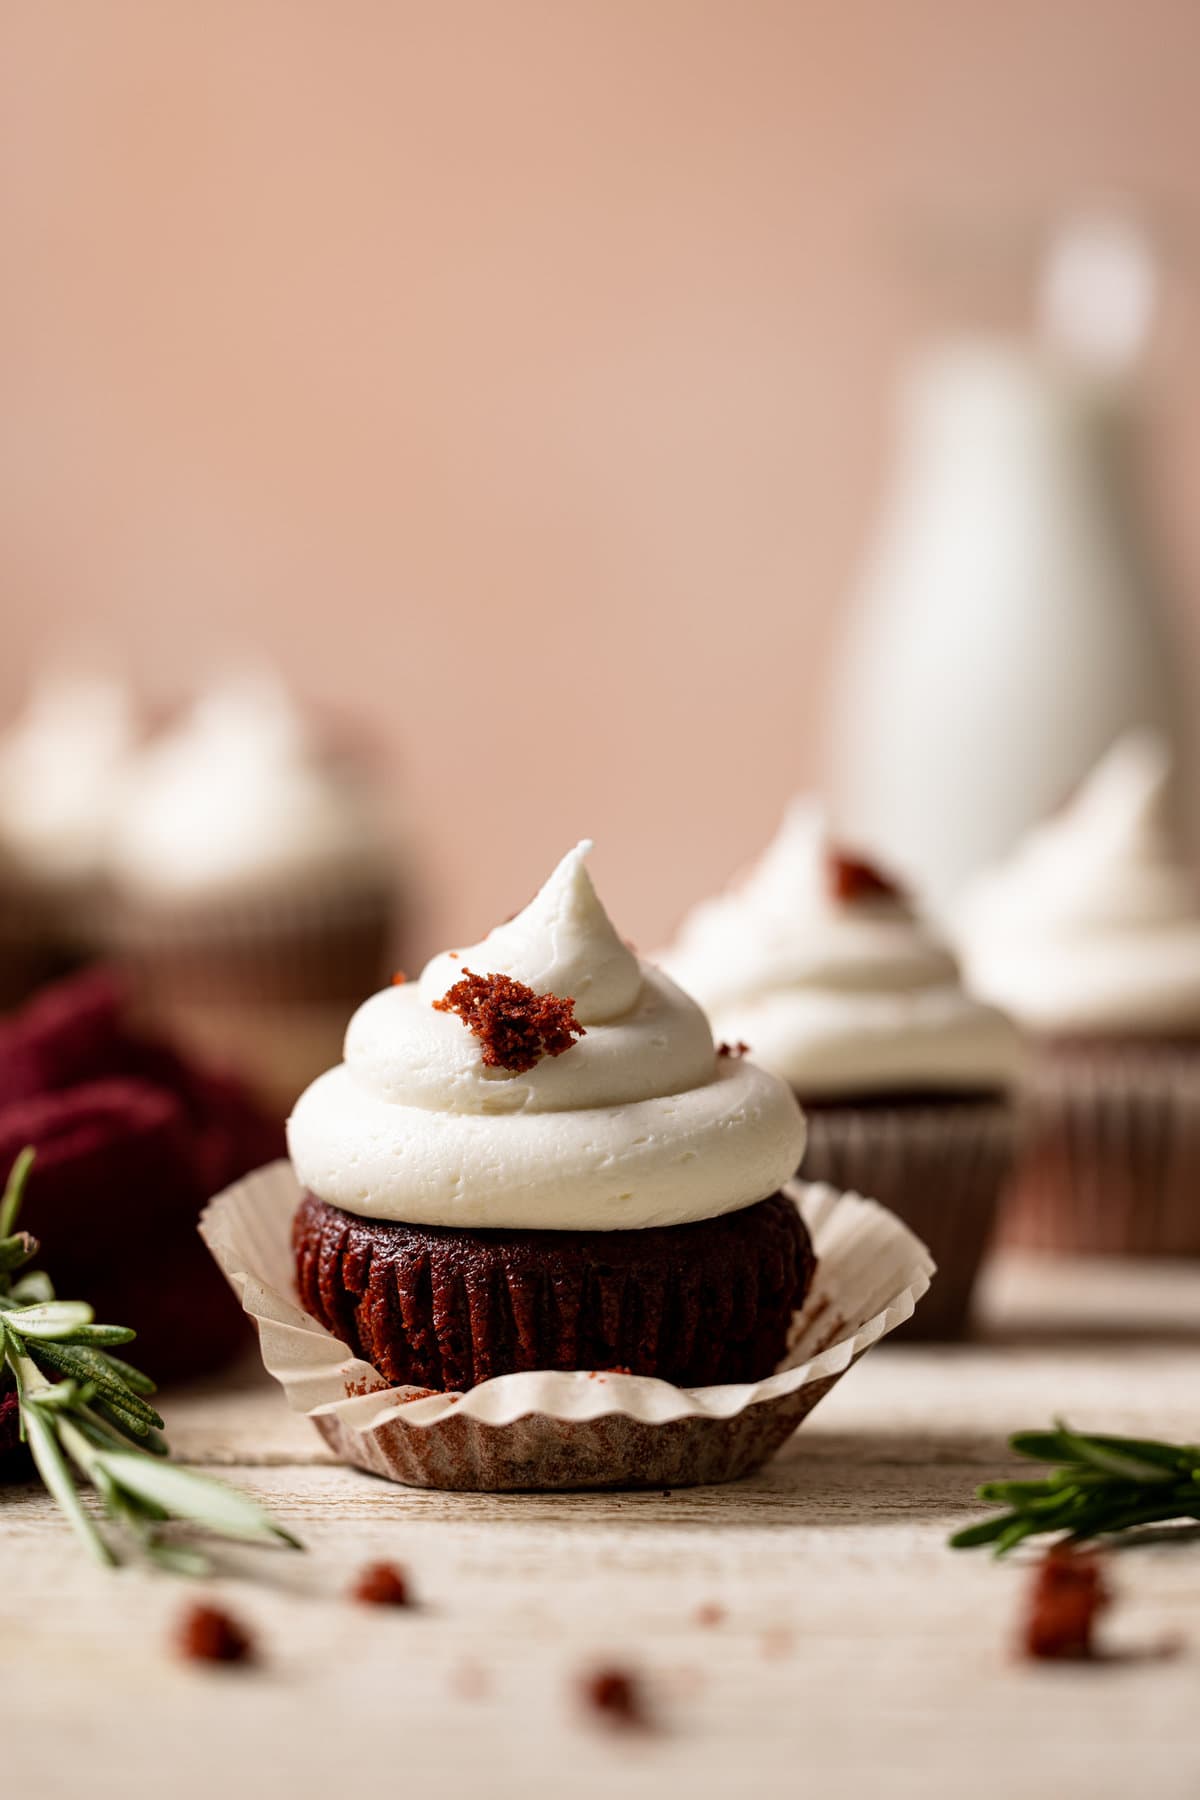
1093 924
238 799
839 997
60 769
638 1124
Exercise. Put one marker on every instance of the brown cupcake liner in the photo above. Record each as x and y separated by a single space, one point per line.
550 1429
264 988
541 1453
940 1167
1112 1161
309 948
38 943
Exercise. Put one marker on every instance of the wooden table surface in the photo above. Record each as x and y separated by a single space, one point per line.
854 1654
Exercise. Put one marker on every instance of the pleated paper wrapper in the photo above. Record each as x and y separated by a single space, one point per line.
546 1429
262 985
1112 1163
942 1167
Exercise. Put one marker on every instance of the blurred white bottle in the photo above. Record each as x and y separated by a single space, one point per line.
1007 627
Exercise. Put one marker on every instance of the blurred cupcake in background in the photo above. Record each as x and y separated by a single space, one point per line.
61 764
1090 935
819 965
251 889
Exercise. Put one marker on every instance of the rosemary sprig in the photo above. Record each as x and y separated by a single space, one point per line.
85 1413
1102 1486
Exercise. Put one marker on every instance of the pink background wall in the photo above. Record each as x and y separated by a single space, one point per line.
515 372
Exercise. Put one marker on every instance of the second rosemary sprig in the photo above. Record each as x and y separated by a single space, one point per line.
1102 1486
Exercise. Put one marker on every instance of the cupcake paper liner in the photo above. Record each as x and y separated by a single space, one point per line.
36 946
941 1167
314 947
1113 1158
264 986
547 1429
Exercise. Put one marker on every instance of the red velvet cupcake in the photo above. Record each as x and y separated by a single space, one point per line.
533 1157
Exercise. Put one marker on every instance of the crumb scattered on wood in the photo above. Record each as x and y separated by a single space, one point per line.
382 1584
616 1695
208 1634
1068 1595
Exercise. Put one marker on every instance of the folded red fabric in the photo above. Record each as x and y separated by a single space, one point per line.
131 1139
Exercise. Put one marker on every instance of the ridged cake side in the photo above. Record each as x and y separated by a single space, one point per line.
695 1304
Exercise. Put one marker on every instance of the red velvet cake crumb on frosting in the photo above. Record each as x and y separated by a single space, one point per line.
851 878
569 1184
515 1026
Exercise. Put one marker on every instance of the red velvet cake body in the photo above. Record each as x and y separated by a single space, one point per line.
695 1304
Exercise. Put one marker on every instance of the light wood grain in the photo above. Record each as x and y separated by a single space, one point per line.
855 1655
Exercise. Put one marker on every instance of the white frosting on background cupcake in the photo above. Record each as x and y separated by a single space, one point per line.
639 1123
1093 924
838 996
61 765
238 799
